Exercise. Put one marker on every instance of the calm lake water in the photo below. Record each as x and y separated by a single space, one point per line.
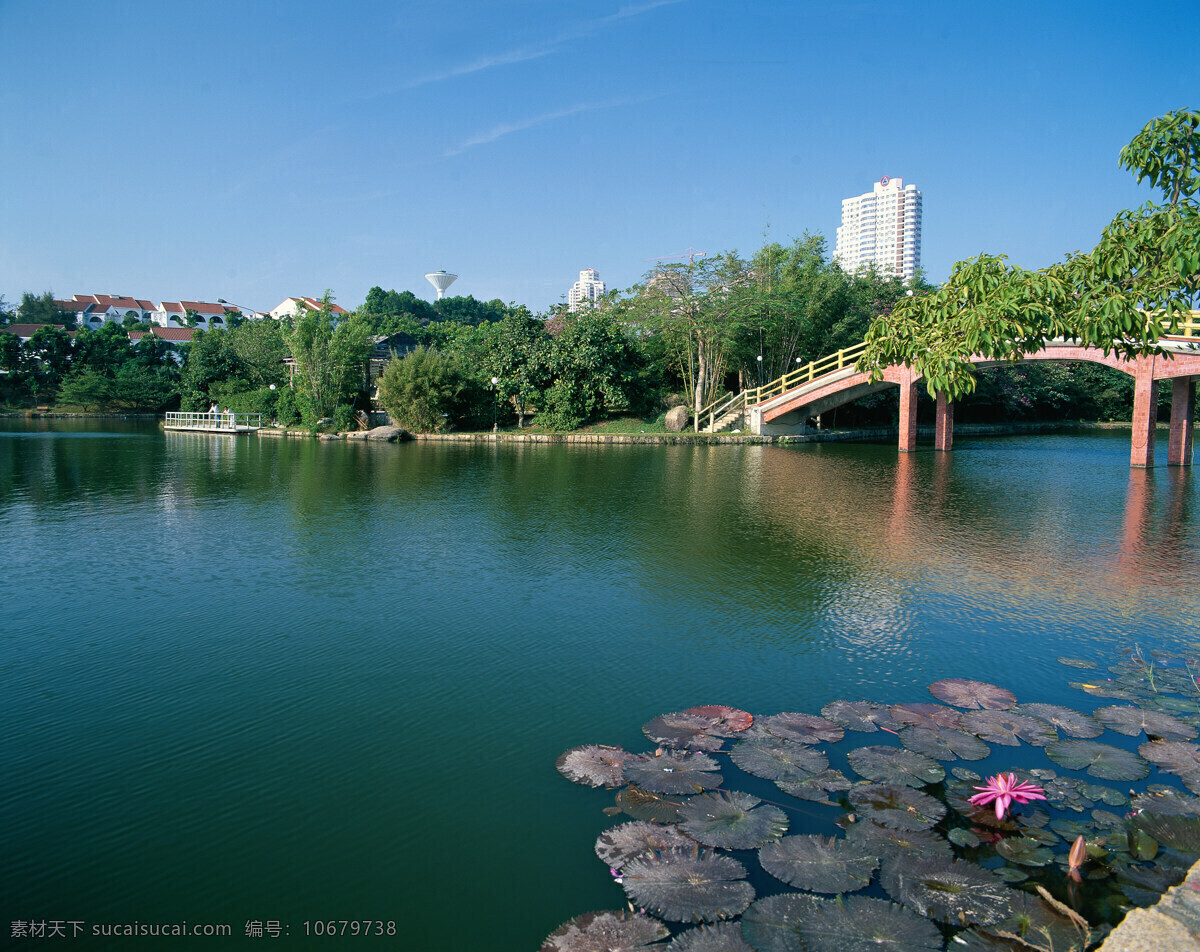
254 679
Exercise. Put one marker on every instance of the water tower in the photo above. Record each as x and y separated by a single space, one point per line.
441 280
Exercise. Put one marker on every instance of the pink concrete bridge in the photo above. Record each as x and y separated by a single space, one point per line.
785 405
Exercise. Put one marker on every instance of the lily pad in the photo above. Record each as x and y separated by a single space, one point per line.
731 820
1067 721
1106 689
772 924
863 716
897 806
885 841
961 836
942 743
594 765
688 885
1099 760
681 731
859 922
673 772
774 758
818 863
973 695
731 719
606 932
1077 663
719 937
647 805
1024 851
618 846
1180 833
893 765
1132 721
926 715
957 892
1009 728
805 728
816 787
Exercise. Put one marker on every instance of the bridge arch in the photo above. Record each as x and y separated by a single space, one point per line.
786 412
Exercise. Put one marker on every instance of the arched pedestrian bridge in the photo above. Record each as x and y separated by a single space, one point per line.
784 405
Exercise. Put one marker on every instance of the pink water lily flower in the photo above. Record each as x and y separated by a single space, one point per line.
1005 789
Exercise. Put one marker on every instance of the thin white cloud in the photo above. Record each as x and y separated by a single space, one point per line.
522 54
498 132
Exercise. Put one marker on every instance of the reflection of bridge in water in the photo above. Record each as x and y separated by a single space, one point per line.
784 405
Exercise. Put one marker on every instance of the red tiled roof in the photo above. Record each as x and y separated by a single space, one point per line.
316 305
172 307
26 331
184 334
76 306
108 300
202 307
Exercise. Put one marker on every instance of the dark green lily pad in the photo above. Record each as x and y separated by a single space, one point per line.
1180 833
957 892
926 715
618 846
897 806
647 805
818 863
1099 792
673 772
1064 719
731 820
805 728
1106 689
859 922
885 841
1009 728
1077 663
772 924
607 932
816 787
961 836
893 765
774 758
941 743
688 885
1132 721
1160 798
681 731
1010 874
973 695
1024 851
962 773
719 937
863 716
594 765
1099 760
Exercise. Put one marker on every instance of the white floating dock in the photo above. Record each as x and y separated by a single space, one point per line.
230 424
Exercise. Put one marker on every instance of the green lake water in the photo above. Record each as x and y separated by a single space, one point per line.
287 681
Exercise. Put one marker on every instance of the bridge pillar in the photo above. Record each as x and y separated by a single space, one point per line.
908 414
1145 414
943 431
1183 406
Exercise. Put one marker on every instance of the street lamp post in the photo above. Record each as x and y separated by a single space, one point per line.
495 405
760 372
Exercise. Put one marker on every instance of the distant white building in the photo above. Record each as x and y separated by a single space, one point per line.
588 288
290 307
96 310
882 227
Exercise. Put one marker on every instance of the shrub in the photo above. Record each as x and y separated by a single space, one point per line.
420 391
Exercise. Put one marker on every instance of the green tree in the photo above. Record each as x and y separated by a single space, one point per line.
389 311
211 361
420 391
595 367
105 350
261 350
38 309
330 358
48 353
10 352
1146 262
87 388
467 310
518 351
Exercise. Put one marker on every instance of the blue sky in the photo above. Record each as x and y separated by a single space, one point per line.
257 150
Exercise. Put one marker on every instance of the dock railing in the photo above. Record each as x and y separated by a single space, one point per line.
214 422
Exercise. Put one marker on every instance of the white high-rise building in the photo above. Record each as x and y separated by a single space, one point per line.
588 288
882 227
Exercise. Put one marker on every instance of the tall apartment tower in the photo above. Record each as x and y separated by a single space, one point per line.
882 227
588 288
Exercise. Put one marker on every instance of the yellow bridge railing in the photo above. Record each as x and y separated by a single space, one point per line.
1188 328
